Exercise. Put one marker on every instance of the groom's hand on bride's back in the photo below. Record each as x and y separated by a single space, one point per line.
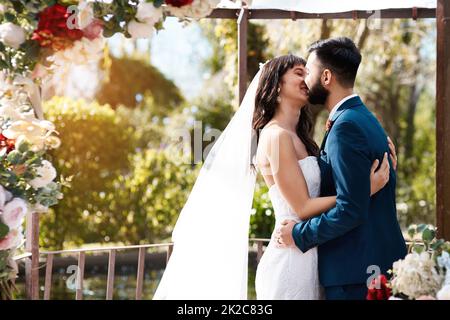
283 236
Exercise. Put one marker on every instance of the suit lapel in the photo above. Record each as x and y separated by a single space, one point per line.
352 102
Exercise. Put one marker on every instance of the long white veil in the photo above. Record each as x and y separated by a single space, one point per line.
210 255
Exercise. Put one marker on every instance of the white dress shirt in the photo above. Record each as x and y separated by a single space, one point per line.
340 103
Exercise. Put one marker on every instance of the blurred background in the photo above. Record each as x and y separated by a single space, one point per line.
116 120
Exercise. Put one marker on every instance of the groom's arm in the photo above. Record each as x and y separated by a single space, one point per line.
351 164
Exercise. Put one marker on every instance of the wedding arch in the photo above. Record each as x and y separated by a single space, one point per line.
37 36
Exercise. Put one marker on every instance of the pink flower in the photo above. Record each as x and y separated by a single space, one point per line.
93 30
12 240
14 212
426 298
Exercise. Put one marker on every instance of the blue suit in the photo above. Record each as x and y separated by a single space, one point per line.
360 231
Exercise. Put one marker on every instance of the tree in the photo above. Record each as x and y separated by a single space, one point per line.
94 150
130 79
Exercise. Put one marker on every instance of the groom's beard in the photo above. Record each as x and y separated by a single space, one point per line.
318 94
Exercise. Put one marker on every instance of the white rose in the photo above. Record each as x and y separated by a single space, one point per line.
12 35
140 30
14 212
12 240
46 173
8 111
148 13
2 197
53 142
5 196
444 293
85 14
198 9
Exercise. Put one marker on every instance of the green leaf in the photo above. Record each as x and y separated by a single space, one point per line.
421 227
14 157
4 230
418 248
158 3
428 235
412 231
10 17
108 33
436 245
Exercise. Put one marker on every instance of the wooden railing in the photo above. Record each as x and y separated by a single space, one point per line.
31 259
111 267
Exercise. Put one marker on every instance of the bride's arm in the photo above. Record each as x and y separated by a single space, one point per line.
291 182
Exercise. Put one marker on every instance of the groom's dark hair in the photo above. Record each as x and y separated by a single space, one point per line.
341 56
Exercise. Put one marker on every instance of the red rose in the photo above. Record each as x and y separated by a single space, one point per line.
9 144
52 28
378 289
179 3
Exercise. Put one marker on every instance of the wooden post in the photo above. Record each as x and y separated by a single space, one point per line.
48 277
32 264
140 274
111 271
443 119
242 52
80 276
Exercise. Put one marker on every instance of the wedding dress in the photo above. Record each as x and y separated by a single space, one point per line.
210 253
288 273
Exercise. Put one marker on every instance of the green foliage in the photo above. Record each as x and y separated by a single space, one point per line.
222 35
146 129
423 238
417 174
94 150
150 198
262 220
132 77
4 230
124 187
214 111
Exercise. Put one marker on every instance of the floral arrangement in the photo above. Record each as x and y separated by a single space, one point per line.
26 177
424 274
39 39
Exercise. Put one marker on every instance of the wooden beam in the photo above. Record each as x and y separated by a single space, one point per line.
255 14
242 52
443 119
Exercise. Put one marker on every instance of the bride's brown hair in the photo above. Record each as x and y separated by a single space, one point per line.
266 100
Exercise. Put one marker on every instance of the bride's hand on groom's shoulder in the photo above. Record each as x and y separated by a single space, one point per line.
379 178
283 236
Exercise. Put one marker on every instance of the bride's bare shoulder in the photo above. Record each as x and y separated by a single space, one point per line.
270 139
274 133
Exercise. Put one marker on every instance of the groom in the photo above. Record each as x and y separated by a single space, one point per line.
360 237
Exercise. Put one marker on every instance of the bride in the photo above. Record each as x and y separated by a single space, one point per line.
272 126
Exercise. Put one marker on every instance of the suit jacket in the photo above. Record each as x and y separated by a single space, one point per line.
361 233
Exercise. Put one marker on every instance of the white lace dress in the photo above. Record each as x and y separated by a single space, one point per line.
288 273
